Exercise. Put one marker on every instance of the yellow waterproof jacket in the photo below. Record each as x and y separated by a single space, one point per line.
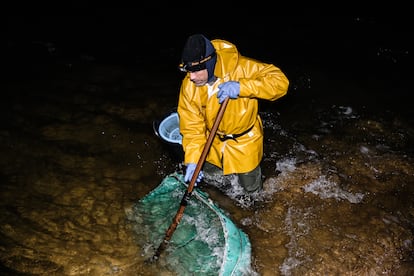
199 106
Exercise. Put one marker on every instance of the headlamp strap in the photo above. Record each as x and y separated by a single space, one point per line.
195 63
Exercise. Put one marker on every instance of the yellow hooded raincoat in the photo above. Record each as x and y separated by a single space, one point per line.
199 106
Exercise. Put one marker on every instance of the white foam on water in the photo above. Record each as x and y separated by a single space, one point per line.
230 186
289 264
364 149
325 188
211 236
276 184
346 110
286 165
296 226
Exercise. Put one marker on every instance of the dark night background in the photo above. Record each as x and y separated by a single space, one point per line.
359 45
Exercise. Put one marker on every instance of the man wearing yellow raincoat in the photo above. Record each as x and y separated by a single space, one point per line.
216 70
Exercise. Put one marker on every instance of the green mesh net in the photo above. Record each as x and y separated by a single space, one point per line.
205 242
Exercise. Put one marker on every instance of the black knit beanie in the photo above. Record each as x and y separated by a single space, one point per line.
199 54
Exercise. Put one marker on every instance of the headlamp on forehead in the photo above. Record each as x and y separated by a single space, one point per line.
194 66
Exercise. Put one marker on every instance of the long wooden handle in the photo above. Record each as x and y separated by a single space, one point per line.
208 145
190 187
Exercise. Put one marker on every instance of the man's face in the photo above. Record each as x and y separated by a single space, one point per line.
199 78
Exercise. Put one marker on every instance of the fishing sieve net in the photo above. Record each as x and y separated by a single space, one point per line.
205 242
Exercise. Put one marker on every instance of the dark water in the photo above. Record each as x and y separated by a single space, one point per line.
78 148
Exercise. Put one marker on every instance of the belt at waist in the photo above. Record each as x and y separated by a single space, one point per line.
224 137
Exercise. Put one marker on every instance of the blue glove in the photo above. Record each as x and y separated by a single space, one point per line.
190 171
229 89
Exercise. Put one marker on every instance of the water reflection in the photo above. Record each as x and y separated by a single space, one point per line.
338 195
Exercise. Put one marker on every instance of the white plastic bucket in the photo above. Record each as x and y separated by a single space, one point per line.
169 129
